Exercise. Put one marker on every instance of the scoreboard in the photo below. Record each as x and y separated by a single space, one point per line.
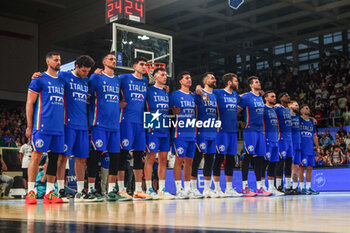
129 10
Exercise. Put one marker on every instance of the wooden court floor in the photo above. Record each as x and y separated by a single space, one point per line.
327 212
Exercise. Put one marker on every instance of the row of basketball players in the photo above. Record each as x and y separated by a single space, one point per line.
126 114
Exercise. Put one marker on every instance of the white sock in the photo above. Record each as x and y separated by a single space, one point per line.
279 182
228 185
49 187
308 185
207 184
148 184
31 186
91 186
288 182
121 186
302 185
263 184
244 184
161 185
193 184
187 185
60 184
110 187
258 184
295 184
178 185
217 185
271 184
80 186
138 186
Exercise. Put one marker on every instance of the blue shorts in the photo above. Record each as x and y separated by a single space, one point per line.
226 143
254 143
76 142
42 142
206 145
133 136
286 149
184 147
157 142
105 140
307 160
272 152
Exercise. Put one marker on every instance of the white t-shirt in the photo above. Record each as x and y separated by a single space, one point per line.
26 150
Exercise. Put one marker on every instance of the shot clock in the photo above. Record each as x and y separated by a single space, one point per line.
130 10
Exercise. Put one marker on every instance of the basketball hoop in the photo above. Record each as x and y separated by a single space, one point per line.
151 66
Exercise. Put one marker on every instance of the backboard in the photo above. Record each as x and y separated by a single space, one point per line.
130 42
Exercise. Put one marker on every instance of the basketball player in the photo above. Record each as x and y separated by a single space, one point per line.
271 138
308 140
206 105
184 131
253 136
45 126
133 136
104 122
158 138
294 110
285 143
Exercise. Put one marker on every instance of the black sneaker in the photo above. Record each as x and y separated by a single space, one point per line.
288 192
280 188
296 191
64 196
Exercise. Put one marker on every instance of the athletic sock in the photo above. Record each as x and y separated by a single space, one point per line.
228 185
49 187
80 186
110 187
161 185
302 185
187 185
121 186
178 185
148 184
258 184
271 184
31 186
207 185
295 184
279 182
138 186
60 184
217 185
193 184
288 182
244 184
308 185
91 186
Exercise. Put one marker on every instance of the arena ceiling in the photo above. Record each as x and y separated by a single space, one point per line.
198 26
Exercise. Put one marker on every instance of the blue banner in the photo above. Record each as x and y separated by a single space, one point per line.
235 4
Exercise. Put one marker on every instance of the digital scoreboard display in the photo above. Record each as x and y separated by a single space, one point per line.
130 10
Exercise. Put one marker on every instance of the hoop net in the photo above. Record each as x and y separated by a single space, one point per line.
151 66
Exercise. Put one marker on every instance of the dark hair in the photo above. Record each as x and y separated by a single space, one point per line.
84 61
158 70
251 78
106 54
181 75
228 77
302 106
52 53
138 59
205 75
267 93
282 94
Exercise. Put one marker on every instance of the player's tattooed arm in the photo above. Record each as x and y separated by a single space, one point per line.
314 120
98 71
31 99
123 104
175 110
199 90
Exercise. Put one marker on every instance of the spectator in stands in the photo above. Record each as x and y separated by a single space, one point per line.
329 135
320 158
342 102
341 130
347 139
338 157
346 116
347 152
25 154
5 178
325 142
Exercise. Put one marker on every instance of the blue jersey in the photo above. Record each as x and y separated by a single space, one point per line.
75 100
285 123
206 107
104 101
158 100
185 122
270 124
253 114
133 91
307 132
48 115
227 110
296 129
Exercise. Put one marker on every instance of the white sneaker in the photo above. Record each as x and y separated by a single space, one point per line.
182 194
79 197
195 194
165 195
231 192
152 193
210 194
220 193
275 192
